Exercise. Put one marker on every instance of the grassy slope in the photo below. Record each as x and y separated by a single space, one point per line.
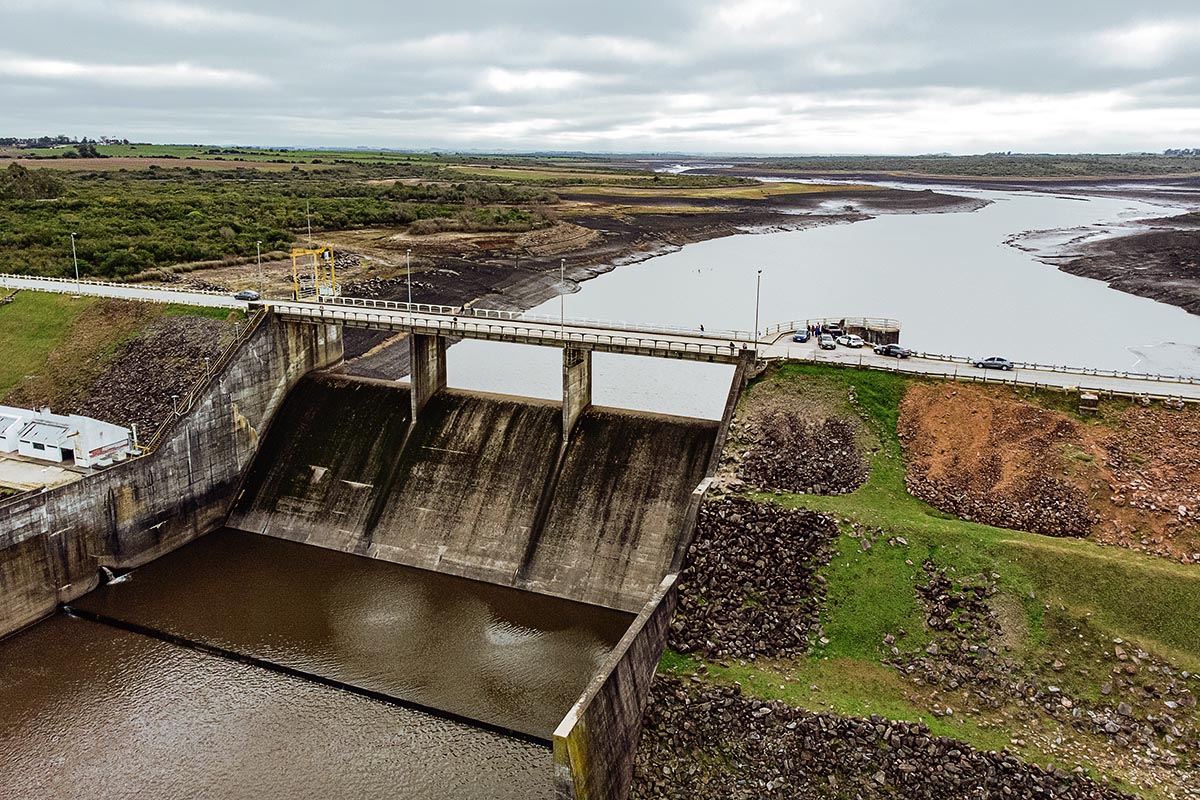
30 328
56 345
870 594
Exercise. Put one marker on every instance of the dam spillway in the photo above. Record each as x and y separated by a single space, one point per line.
482 487
502 564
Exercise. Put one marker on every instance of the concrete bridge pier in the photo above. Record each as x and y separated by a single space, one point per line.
427 367
577 386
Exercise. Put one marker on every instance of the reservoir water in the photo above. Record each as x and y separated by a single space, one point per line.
951 279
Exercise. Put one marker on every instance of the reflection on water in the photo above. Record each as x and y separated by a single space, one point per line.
94 712
950 278
488 653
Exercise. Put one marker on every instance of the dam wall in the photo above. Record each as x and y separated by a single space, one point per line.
52 543
481 487
596 743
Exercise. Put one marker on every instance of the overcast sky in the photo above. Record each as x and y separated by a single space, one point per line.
767 76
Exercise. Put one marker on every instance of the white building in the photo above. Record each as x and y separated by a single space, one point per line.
57 437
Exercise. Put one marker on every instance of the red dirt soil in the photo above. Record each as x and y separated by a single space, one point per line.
1131 477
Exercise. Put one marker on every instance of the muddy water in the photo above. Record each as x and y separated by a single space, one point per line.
89 711
482 652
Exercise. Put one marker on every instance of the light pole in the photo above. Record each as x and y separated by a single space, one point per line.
757 297
76 260
562 298
408 269
258 253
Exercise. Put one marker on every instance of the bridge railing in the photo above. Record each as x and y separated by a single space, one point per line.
1069 370
523 316
6 279
1003 378
512 329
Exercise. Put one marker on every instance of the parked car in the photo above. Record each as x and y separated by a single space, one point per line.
247 294
833 330
826 342
850 340
892 350
995 362
800 336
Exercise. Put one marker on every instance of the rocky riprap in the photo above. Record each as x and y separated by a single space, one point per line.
750 586
703 741
804 456
1041 503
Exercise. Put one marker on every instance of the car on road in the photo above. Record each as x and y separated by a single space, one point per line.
892 350
994 362
833 330
247 294
850 340
800 336
826 342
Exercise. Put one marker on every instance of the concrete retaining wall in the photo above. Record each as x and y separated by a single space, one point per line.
52 543
596 743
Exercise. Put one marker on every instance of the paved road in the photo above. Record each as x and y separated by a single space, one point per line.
122 291
808 351
612 337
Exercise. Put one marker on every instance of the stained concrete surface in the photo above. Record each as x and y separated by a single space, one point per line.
95 713
488 653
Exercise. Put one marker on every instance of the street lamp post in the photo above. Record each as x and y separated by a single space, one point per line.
562 298
258 252
757 297
76 260
408 270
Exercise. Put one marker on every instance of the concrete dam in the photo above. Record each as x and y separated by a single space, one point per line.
331 586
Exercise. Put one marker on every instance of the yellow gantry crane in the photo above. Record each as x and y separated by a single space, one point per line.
318 279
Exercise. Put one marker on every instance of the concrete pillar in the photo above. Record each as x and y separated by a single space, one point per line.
427 368
577 386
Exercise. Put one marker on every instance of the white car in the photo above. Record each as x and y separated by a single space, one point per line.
850 340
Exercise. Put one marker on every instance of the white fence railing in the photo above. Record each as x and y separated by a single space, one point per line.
514 329
65 284
870 323
1068 370
523 316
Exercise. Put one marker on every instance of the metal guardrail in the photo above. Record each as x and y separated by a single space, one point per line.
1067 370
4 277
548 332
999 378
188 401
577 322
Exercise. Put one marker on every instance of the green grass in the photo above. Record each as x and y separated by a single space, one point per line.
1125 593
183 310
30 328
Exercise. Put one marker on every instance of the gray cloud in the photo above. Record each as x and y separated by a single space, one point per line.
734 76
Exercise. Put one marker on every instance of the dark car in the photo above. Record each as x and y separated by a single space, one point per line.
892 350
247 294
995 362
800 336
833 330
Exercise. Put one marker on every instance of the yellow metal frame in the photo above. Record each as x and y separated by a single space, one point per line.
324 280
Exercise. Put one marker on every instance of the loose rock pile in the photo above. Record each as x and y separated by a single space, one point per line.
1040 503
750 588
795 454
704 742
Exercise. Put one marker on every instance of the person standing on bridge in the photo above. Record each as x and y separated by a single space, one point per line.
702 328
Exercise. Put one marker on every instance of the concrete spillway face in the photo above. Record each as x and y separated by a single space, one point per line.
325 459
618 507
465 494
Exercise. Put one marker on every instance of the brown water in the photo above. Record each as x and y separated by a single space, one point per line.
89 711
482 652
